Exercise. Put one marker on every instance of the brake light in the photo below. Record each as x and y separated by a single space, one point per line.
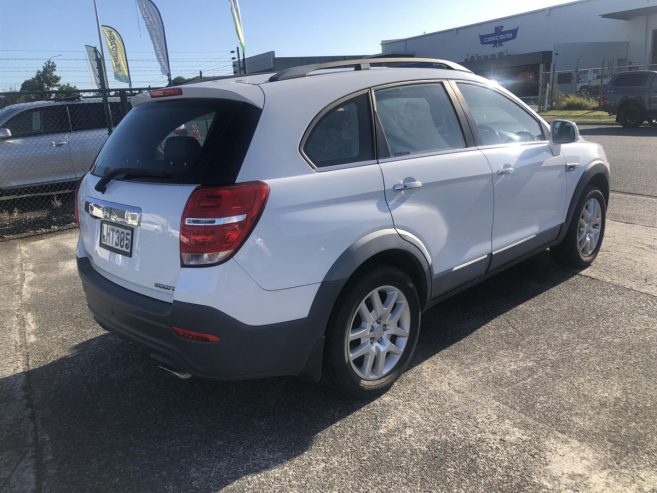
167 91
76 207
218 220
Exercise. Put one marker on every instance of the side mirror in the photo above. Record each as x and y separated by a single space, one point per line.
5 133
563 132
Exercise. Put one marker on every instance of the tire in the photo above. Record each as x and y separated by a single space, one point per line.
373 341
586 230
631 116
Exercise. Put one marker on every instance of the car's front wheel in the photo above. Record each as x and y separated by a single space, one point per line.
586 230
372 334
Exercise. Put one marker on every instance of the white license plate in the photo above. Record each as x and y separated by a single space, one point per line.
116 238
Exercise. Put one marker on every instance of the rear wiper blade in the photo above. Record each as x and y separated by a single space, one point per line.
101 186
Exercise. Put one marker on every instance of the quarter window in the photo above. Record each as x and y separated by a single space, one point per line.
343 135
499 120
39 121
418 119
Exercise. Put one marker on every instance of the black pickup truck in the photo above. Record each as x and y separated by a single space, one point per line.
632 97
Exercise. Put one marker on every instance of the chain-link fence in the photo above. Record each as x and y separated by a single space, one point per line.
586 82
48 141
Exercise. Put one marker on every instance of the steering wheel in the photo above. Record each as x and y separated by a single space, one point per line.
525 136
489 136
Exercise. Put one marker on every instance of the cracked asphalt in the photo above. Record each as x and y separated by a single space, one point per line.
539 379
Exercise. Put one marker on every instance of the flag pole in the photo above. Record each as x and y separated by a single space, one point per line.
104 82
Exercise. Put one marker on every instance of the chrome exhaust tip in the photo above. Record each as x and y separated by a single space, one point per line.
183 375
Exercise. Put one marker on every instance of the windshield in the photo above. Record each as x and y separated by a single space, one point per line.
193 141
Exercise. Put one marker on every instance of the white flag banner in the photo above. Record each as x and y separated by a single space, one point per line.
94 56
153 22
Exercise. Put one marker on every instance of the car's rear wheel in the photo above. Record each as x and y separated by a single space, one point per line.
372 334
583 239
631 116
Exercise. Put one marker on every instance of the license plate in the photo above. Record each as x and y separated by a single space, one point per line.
116 238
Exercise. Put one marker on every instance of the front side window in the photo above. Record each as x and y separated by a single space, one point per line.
39 121
498 119
343 135
418 119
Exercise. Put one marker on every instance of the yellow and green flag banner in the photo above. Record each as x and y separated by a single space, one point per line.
237 19
117 54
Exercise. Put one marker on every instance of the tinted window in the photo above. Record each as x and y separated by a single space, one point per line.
39 121
91 116
499 120
418 119
564 78
631 80
196 141
343 135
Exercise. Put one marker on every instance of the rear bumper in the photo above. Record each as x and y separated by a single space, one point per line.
243 351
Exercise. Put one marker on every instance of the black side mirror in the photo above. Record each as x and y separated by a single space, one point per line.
563 132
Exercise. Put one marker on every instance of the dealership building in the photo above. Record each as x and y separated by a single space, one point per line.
576 45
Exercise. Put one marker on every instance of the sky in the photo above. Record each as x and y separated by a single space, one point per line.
200 33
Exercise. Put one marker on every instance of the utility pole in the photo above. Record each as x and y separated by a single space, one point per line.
104 84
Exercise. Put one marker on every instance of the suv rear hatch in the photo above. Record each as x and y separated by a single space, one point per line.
131 204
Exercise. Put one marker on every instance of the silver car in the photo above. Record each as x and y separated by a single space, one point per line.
51 142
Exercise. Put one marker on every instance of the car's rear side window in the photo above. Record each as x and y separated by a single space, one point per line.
91 116
418 119
194 140
39 121
342 135
631 80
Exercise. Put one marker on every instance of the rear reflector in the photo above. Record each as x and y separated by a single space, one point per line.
167 91
218 220
195 336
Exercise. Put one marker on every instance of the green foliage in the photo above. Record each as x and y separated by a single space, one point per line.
177 81
576 102
45 79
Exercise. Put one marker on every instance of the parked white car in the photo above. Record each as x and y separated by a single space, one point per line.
305 220
51 142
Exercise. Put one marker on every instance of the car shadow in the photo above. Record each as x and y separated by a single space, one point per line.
107 419
618 131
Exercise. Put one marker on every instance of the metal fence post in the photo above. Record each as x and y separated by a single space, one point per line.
104 90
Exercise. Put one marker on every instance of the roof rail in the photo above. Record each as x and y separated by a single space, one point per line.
364 64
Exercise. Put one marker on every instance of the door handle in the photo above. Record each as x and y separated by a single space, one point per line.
407 185
59 144
507 169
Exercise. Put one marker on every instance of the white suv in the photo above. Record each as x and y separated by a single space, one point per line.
300 223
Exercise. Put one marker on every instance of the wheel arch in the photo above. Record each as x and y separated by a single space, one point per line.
596 173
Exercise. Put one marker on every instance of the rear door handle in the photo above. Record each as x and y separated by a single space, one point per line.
59 144
507 169
407 185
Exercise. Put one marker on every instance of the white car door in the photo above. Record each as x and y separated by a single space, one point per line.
437 184
529 180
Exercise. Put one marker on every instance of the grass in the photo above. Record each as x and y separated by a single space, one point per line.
578 116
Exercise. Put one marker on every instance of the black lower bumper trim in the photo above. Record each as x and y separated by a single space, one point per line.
244 351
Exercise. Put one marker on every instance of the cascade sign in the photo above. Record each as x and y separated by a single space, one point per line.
498 37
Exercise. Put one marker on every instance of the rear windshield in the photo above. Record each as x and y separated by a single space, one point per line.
193 140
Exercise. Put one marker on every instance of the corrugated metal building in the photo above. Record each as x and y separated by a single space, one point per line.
577 45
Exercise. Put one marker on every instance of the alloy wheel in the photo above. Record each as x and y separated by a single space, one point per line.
590 224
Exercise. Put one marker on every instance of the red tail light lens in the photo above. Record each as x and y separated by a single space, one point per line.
166 92
218 220
77 192
195 336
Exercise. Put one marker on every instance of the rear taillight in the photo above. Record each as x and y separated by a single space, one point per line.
77 192
218 220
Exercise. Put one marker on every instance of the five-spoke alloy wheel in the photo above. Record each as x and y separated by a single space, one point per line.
372 333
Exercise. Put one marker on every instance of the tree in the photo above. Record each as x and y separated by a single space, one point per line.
43 81
177 81
67 91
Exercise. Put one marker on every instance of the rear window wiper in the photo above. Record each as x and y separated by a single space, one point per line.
101 186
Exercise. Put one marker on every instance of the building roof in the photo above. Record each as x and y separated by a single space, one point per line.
626 15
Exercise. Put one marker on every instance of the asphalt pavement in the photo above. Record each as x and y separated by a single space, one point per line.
539 379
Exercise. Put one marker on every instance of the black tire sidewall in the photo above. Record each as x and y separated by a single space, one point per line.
632 109
337 365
